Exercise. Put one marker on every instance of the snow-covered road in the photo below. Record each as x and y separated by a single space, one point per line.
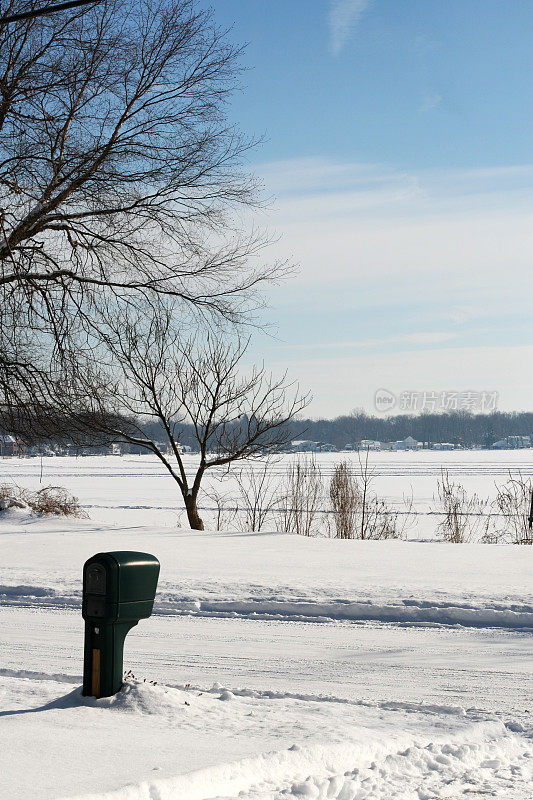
487 669
338 710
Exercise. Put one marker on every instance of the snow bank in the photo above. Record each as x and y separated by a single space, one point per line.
178 743
405 611
279 576
485 761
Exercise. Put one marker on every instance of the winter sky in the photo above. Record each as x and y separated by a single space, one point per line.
398 148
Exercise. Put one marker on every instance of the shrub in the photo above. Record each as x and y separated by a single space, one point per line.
225 508
48 500
257 495
513 501
465 517
11 497
358 512
55 500
303 496
344 497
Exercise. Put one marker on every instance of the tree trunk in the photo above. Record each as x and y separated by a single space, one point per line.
195 521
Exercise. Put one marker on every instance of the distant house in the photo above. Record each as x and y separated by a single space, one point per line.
369 444
512 443
407 444
442 446
307 446
326 447
304 446
501 444
9 446
183 449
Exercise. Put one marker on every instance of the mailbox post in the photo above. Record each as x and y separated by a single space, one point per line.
118 590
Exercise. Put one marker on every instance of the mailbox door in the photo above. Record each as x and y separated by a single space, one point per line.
138 574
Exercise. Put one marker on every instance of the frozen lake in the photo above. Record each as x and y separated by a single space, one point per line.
138 489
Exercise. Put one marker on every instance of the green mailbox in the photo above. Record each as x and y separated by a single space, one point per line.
118 590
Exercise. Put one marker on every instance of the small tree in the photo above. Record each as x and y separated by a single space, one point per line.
257 494
163 378
225 508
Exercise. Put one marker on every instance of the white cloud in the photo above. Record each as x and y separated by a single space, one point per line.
312 176
423 338
389 257
460 237
341 384
343 17
431 101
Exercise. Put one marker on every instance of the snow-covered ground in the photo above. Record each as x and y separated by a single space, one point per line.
275 665
138 490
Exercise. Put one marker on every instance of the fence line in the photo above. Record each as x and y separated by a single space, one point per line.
330 511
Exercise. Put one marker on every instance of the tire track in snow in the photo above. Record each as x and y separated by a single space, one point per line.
407 611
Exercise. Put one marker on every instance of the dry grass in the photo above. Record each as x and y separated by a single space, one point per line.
513 503
345 500
466 517
303 497
469 518
48 500
358 512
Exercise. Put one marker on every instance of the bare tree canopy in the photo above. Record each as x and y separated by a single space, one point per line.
120 177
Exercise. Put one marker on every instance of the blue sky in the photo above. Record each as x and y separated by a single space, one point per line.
398 147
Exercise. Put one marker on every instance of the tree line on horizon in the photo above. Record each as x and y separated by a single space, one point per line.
457 427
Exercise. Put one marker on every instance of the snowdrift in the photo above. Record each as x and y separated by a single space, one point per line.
249 745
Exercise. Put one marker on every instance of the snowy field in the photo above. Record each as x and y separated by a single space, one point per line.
138 490
281 666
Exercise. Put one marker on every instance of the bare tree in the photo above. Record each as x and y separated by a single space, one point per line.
155 375
119 181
